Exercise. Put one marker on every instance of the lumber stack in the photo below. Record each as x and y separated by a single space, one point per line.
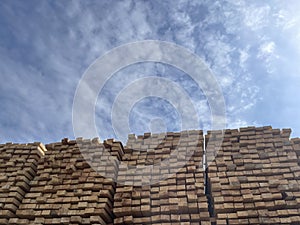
254 178
143 194
18 166
67 190
296 147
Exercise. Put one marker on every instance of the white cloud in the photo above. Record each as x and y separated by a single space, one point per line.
267 53
256 17
59 41
267 48
238 123
285 19
244 56
28 106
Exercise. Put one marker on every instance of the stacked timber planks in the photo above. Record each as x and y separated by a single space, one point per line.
66 190
161 180
254 178
296 147
18 166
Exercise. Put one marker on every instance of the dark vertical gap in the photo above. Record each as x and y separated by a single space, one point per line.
227 221
208 195
207 186
115 183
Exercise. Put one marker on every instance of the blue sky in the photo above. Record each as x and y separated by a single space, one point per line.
252 48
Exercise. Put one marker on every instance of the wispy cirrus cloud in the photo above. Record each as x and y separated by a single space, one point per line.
46 46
